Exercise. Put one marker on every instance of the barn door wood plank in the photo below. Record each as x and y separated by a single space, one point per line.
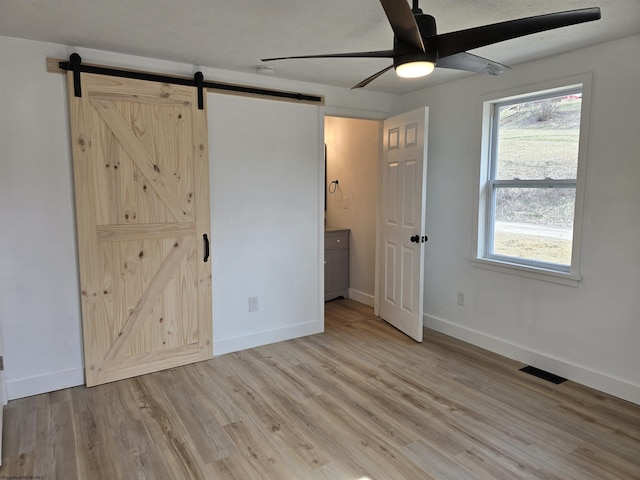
118 233
140 157
155 288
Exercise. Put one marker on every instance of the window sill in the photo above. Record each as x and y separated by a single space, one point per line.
569 279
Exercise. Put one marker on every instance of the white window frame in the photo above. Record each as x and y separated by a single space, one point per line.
566 275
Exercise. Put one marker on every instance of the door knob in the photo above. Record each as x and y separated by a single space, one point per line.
415 239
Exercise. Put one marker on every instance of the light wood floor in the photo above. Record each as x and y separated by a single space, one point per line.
360 401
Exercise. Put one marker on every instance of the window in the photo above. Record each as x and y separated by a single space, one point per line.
531 181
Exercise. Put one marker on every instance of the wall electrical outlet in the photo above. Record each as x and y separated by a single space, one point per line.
253 304
461 299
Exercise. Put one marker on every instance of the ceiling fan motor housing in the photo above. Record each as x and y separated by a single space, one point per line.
414 57
426 25
408 53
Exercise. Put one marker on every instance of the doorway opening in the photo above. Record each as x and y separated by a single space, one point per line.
353 148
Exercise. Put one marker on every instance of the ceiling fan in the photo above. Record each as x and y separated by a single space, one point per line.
418 49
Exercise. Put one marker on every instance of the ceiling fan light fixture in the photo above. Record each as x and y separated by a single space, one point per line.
416 69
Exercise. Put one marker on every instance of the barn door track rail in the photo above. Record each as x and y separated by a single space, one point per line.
76 66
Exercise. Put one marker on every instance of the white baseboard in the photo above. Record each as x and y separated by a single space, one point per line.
252 340
591 378
361 297
25 387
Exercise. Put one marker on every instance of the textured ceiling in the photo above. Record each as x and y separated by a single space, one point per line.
235 35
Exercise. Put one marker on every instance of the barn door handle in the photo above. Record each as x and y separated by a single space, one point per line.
206 247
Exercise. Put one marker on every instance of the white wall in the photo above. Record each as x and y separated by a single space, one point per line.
266 210
353 151
589 333
39 302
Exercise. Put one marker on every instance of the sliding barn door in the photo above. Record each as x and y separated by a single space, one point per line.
142 204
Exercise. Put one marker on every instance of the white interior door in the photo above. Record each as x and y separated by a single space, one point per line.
402 226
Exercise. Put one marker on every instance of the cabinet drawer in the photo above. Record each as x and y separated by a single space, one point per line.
338 239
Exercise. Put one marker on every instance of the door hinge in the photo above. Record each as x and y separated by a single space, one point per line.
1 363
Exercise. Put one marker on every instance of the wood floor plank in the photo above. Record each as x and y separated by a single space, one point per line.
134 448
236 467
166 427
281 374
201 379
61 427
94 446
273 423
359 401
341 449
257 450
205 433
379 458
430 459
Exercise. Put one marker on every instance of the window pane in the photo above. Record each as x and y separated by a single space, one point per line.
534 224
539 139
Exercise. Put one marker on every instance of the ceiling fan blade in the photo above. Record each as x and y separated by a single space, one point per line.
471 63
403 22
462 40
370 79
374 54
